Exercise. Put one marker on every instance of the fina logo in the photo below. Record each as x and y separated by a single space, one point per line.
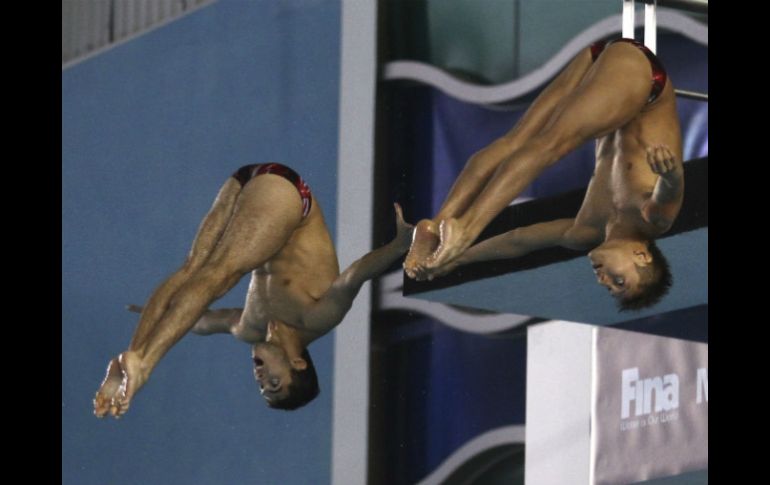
659 393
664 389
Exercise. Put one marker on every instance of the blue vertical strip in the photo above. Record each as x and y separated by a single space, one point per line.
150 131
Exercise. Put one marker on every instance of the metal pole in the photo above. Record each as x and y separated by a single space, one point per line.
692 95
629 7
650 26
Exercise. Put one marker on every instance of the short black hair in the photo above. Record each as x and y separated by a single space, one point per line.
654 282
303 388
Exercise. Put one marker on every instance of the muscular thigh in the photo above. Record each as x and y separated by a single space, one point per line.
613 91
212 226
267 212
541 109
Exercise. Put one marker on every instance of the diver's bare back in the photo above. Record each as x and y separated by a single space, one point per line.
623 180
295 277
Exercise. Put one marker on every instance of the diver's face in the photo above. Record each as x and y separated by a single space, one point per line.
272 370
615 269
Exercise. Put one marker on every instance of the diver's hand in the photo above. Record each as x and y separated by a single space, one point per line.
663 163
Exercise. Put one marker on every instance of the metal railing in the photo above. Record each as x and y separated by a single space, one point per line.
90 25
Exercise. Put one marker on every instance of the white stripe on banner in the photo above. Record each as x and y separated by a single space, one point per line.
472 93
507 435
470 320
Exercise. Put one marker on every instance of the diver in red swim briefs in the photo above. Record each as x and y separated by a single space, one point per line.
618 94
658 73
264 221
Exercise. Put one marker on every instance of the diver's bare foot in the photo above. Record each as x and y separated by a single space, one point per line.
108 389
432 273
124 377
424 242
453 242
133 378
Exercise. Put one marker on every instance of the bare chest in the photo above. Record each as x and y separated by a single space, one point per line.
271 297
622 181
